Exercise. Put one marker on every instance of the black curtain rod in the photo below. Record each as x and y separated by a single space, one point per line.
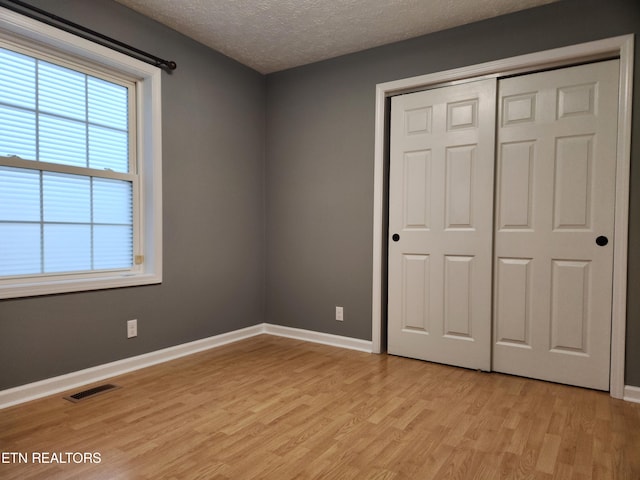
86 33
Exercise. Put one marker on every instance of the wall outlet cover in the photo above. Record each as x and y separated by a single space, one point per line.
132 328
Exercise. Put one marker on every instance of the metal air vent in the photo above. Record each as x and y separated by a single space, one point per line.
91 392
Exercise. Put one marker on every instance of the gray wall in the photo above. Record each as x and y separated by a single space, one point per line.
318 124
213 179
320 146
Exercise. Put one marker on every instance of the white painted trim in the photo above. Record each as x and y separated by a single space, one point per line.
378 220
622 46
631 394
318 337
621 226
51 386
26 32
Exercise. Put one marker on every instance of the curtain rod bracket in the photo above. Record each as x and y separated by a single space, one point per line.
167 65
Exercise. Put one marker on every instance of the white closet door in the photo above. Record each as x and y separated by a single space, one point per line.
441 224
555 192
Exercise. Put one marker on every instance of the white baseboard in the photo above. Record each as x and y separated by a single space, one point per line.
51 386
631 394
317 337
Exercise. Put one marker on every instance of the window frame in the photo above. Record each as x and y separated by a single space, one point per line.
49 43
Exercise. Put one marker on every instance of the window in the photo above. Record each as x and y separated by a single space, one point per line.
80 205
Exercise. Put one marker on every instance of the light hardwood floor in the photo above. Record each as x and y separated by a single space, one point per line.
276 408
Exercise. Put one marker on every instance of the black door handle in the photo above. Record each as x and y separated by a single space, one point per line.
395 237
601 241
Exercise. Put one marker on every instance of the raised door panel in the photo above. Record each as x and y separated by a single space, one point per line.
513 307
458 296
516 185
416 198
573 180
459 181
570 306
416 293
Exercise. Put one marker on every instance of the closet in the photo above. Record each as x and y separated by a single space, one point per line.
501 216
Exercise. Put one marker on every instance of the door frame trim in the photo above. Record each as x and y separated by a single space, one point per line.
621 47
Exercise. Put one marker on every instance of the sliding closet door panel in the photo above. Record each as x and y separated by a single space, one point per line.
441 224
555 196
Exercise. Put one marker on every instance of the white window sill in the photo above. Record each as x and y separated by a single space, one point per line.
35 287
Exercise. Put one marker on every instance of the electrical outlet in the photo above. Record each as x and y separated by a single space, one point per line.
132 328
340 314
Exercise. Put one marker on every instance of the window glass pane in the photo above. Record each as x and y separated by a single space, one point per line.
67 248
66 198
63 141
17 79
19 195
65 223
108 149
17 133
112 201
19 248
107 103
61 91
113 246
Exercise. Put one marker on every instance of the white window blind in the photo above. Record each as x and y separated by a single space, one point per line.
80 163
68 174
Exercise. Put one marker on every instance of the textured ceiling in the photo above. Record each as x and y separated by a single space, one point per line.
273 35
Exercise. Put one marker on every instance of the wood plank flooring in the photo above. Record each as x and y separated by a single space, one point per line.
276 408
